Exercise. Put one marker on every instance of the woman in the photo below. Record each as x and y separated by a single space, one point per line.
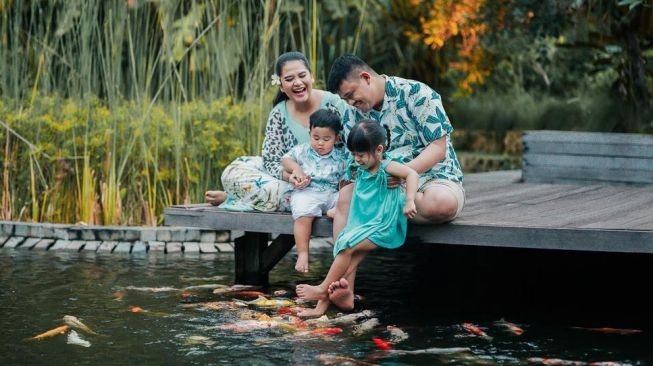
258 183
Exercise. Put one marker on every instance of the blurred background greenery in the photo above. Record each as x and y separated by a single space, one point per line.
112 110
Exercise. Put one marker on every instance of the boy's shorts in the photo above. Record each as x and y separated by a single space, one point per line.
455 188
306 202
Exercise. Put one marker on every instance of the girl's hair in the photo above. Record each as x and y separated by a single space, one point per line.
278 66
366 135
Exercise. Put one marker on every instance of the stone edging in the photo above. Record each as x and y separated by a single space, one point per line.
112 239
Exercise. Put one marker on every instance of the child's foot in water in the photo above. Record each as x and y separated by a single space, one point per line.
302 263
319 310
308 292
341 295
215 197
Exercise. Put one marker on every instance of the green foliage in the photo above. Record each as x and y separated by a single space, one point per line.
81 144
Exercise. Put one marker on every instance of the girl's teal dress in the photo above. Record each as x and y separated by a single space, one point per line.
376 212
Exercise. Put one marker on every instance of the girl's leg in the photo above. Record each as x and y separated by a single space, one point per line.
319 310
341 292
339 268
342 209
302 231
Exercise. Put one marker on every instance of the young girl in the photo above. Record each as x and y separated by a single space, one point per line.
375 219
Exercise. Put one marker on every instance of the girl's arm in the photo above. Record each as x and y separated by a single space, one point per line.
411 177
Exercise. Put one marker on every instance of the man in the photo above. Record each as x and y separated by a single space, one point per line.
420 137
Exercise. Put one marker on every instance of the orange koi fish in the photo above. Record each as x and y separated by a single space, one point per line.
326 331
136 309
340 360
606 330
50 333
118 295
508 327
473 329
250 293
381 344
554 362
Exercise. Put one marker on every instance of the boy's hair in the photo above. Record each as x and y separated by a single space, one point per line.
342 67
278 66
325 118
366 135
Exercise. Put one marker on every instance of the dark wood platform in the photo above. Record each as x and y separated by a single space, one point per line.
500 211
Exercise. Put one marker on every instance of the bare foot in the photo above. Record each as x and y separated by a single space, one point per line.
341 295
319 310
331 213
308 292
215 197
302 263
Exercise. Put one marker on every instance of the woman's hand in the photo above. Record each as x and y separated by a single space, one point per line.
299 179
409 209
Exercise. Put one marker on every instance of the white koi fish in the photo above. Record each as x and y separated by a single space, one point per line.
74 338
73 322
431 351
343 319
263 302
211 286
152 289
365 326
396 335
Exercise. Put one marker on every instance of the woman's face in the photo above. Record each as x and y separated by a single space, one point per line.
296 81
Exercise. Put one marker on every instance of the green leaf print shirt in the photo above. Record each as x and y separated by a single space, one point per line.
415 116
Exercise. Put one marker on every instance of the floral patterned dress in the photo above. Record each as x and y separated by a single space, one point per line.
254 182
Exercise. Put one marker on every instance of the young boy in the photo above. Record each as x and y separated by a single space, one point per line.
315 170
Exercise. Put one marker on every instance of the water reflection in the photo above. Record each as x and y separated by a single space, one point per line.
428 294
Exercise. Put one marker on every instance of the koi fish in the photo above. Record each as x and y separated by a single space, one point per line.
344 319
233 288
432 351
396 335
326 331
215 305
280 293
554 362
50 333
211 286
249 293
381 344
194 279
136 309
339 360
606 330
263 302
194 340
473 329
73 322
74 338
508 327
247 325
365 326
608 363
152 289
118 295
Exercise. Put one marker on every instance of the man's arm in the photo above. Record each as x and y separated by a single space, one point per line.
432 154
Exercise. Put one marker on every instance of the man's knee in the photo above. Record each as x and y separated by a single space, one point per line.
439 212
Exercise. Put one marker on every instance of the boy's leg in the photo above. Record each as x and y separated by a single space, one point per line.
338 269
302 231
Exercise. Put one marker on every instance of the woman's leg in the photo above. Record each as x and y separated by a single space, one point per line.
302 232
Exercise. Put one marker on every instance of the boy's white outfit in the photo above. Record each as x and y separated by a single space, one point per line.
325 171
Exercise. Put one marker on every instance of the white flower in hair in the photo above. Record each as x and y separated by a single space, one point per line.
275 79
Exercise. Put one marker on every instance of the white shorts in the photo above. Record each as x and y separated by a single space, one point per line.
306 202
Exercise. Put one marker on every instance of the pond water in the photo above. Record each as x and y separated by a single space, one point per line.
428 294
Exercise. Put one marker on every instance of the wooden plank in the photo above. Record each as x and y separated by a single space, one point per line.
139 247
597 163
580 175
173 247
598 138
225 247
60 244
279 247
157 246
208 248
3 240
75 245
44 244
592 149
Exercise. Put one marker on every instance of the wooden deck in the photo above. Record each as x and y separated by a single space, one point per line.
500 211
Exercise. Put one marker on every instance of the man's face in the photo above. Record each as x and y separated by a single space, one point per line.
357 91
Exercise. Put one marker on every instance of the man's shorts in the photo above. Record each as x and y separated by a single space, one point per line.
455 188
306 202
